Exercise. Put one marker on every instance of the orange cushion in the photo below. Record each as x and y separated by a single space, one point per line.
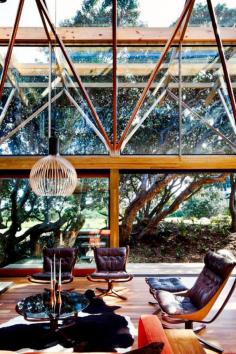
150 330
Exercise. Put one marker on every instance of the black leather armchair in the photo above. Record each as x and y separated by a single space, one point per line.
111 268
68 258
195 304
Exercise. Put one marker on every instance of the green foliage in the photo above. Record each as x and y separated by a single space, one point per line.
225 16
99 13
206 203
182 241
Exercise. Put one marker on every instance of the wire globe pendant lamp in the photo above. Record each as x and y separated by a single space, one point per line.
52 175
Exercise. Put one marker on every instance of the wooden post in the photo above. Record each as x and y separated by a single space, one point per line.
114 208
114 72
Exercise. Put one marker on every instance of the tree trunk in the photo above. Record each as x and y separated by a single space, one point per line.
184 195
34 233
138 203
145 196
9 250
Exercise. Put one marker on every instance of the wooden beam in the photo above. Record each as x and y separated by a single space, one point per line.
125 36
148 163
114 208
137 69
175 85
114 74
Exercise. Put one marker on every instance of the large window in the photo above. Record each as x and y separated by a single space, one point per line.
28 222
175 217
186 110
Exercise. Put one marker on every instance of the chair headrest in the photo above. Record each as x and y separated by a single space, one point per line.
111 259
60 252
221 262
111 252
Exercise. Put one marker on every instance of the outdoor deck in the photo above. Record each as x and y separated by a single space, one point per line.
221 332
137 269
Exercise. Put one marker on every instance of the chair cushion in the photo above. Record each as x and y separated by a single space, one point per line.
221 263
67 255
110 259
204 288
173 285
173 304
46 276
110 275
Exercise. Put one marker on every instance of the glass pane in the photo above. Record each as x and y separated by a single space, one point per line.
225 12
208 122
148 13
50 221
83 13
155 127
29 18
72 119
174 217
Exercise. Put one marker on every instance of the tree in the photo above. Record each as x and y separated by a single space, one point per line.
156 197
225 16
151 197
208 202
27 220
99 13
160 198
19 206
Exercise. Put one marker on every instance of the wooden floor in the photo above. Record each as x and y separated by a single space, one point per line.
221 332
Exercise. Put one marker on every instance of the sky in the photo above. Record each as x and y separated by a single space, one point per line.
154 13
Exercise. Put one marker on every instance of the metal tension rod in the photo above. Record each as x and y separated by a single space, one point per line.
195 114
10 47
43 12
186 21
180 74
71 99
114 72
222 57
188 4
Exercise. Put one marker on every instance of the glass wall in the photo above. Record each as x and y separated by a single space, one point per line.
175 217
206 118
28 223
186 110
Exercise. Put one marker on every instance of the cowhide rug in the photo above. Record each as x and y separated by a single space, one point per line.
97 328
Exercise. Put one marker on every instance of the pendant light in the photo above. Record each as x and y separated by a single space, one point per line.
52 175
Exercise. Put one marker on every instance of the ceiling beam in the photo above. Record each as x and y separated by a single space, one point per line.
174 85
139 69
125 36
148 163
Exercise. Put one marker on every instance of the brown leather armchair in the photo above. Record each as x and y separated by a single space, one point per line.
68 258
111 268
195 304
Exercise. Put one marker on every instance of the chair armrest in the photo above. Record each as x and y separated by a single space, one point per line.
150 330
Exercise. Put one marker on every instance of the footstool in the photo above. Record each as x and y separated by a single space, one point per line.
173 285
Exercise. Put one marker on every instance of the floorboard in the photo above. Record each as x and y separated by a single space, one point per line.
222 332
